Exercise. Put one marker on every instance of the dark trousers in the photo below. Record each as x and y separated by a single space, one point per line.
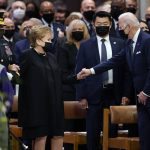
94 120
94 126
144 124
109 99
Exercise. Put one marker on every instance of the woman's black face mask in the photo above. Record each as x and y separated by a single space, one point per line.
48 47
77 35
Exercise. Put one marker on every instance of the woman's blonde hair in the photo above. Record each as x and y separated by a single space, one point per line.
70 18
72 25
38 32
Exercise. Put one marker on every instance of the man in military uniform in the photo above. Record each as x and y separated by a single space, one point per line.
6 97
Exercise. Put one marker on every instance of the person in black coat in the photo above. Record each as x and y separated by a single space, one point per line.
40 105
76 33
66 54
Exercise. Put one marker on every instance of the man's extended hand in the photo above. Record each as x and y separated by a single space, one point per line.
79 76
84 73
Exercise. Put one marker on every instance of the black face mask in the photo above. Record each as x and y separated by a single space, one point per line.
31 14
3 6
48 47
131 9
9 33
89 15
122 34
116 12
102 30
48 17
77 35
148 22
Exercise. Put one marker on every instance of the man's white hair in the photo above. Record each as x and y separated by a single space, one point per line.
129 18
36 21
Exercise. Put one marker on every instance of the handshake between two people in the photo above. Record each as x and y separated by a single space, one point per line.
87 72
83 74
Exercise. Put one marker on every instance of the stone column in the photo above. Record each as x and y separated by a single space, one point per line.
143 4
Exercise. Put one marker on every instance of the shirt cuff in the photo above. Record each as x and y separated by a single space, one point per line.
145 94
10 76
92 71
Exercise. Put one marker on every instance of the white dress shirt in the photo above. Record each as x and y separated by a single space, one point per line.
109 55
135 38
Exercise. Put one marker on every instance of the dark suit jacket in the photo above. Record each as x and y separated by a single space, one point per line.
5 59
113 32
139 66
87 57
56 26
91 33
20 47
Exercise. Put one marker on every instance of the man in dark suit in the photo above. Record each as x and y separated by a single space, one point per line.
20 47
117 8
7 42
88 10
47 18
98 92
137 55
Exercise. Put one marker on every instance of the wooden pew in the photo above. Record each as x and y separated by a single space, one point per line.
72 110
120 115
